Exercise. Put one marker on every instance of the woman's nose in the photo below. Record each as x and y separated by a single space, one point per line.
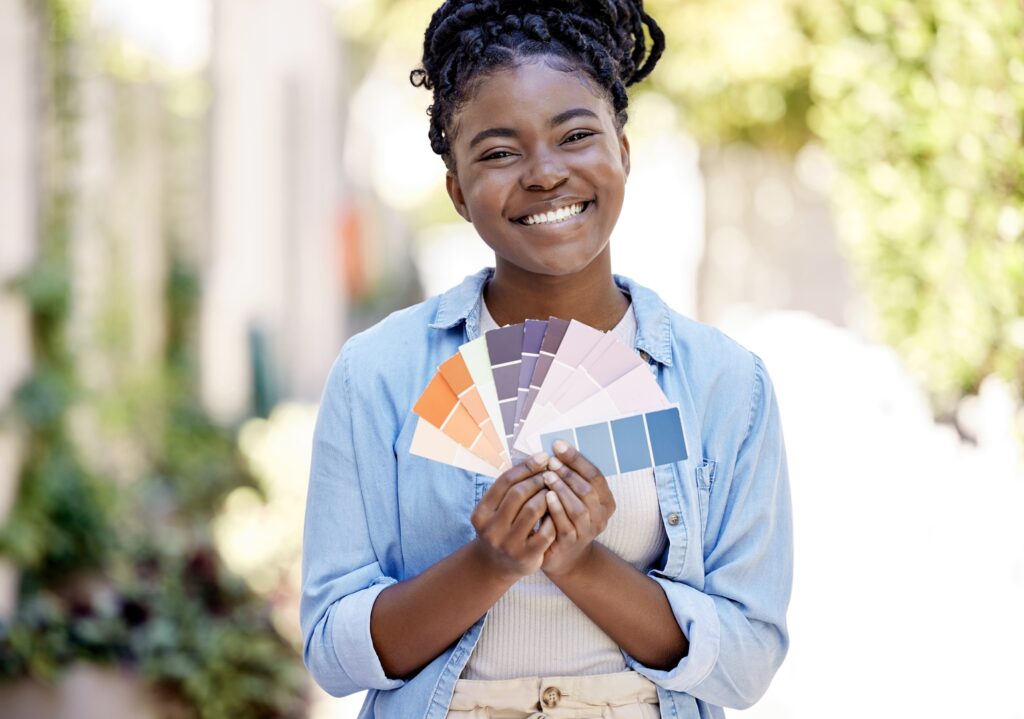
544 172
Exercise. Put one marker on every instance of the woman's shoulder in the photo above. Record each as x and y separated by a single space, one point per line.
397 334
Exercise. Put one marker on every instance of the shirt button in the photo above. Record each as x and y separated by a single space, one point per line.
673 519
550 697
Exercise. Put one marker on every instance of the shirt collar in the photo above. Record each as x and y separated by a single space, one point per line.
654 322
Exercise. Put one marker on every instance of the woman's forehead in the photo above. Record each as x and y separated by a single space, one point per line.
531 93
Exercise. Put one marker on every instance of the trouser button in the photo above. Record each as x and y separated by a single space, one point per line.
550 697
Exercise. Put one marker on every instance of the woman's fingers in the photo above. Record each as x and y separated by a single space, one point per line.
544 537
559 517
573 507
526 519
495 494
582 476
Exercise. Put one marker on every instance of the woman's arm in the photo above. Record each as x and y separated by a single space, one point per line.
413 621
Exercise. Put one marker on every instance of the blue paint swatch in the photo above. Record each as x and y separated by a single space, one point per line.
547 440
666 432
631 443
596 445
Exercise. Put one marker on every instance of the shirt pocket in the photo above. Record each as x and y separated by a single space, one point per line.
705 481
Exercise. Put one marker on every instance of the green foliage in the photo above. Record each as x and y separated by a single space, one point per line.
922 106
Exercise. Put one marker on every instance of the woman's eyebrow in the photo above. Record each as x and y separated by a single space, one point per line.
553 122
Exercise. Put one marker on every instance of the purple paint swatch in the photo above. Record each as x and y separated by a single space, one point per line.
533 336
505 347
553 334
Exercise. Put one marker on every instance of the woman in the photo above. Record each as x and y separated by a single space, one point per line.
552 590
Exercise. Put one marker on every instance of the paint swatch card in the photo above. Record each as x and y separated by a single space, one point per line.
430 442
533 336
440 406
504 348
627 444
458 377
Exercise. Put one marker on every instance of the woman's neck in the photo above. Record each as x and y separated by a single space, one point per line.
589 296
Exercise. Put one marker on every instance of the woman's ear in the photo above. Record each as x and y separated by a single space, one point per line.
451 183
624 151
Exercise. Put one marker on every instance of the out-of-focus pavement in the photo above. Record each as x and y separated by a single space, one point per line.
908 597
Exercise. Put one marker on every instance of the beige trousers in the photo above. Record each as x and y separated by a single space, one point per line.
623 695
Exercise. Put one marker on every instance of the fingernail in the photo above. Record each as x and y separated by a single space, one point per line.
550 478
560 445
554 463
540 458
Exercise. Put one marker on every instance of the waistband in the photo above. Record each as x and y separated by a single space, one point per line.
574 692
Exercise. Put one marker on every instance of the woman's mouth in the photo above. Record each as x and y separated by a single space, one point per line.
555 216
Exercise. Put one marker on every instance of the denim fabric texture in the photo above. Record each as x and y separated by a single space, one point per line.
376 514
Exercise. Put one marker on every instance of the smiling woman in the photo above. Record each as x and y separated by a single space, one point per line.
553 591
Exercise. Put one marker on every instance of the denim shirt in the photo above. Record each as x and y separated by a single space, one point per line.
376 514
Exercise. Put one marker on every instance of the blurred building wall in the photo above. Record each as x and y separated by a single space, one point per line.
271 265
771 242
18 201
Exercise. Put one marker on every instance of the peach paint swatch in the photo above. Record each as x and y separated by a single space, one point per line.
440 406
457 375
430 442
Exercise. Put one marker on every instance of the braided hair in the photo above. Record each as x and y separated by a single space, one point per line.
467 39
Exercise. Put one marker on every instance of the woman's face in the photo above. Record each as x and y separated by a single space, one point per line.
540 168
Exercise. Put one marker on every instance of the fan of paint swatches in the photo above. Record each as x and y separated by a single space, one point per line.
509 393
440 406
627 444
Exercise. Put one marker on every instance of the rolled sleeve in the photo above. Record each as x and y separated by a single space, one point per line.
736 625
341 575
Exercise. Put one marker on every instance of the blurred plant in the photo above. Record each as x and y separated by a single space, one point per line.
922 107
150 593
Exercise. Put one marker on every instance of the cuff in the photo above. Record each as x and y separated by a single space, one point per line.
696 616
352 641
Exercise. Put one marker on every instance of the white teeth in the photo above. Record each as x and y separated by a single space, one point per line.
562 213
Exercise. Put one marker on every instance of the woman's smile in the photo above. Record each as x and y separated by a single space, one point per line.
562 216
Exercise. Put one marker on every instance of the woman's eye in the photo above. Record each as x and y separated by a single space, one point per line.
497 155
577 136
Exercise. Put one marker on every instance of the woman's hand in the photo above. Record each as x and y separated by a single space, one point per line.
579 503
506 515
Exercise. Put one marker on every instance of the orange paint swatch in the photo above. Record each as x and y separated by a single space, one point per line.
440 406
456 374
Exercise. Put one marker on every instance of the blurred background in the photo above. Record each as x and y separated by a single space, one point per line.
201 199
